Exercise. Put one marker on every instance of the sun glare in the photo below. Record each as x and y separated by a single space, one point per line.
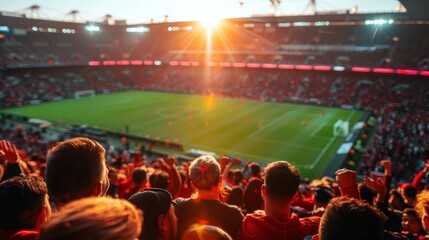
209 22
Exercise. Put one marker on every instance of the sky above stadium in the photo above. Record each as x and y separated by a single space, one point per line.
141 11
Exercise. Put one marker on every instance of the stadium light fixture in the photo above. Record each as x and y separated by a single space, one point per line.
338 68
92 28
4 29
157 63
378 22
139 29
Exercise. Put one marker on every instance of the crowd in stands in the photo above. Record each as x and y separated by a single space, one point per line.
81 194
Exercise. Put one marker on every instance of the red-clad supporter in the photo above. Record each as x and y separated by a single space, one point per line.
277 222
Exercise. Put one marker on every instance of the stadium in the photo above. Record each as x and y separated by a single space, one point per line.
323 91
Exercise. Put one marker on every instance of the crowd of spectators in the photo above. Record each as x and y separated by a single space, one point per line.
81 194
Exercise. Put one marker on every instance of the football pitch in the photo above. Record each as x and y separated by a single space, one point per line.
257 131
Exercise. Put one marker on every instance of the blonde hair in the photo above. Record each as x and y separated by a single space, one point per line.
94 218
205 232
422 205
204 172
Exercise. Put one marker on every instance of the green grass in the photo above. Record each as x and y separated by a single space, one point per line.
257 131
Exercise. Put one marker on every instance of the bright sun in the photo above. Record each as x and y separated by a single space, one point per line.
209 22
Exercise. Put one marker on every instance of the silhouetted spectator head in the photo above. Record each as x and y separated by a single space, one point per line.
349 218
396 200
237 176
252 199
281 181
159 218
159 179
205 232
205 172
24 203
367 194
255 169
100 218
139 176
235 197
322 195
76 169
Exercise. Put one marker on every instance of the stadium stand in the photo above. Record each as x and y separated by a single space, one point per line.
370 62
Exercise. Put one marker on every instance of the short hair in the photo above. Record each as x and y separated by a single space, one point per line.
349 218
201 232
139 175
204 172
282 180
74 168
159 179
21 198
101 218
422 205
235 197
255 169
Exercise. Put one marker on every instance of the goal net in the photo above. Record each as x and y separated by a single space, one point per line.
341 128
84 93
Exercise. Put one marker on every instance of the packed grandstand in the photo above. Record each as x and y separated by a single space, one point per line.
377 63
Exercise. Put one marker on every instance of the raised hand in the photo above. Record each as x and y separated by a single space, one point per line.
9 151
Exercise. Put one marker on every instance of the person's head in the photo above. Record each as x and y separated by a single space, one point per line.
422 207
159 218
24 203
235 197
349 218
255 169
367 194
76 169
409 193
101 218
396 200
322 195
411 221
252 199
205 232
281 181
139 176
159 179
205 172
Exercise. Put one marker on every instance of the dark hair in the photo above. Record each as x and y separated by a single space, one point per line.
410 191
139 175
74 168
159 179
282 180
349 218
255 169
20 200
252 199
235 197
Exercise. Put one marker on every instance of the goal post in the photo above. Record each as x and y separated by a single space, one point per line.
341 128
84 93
